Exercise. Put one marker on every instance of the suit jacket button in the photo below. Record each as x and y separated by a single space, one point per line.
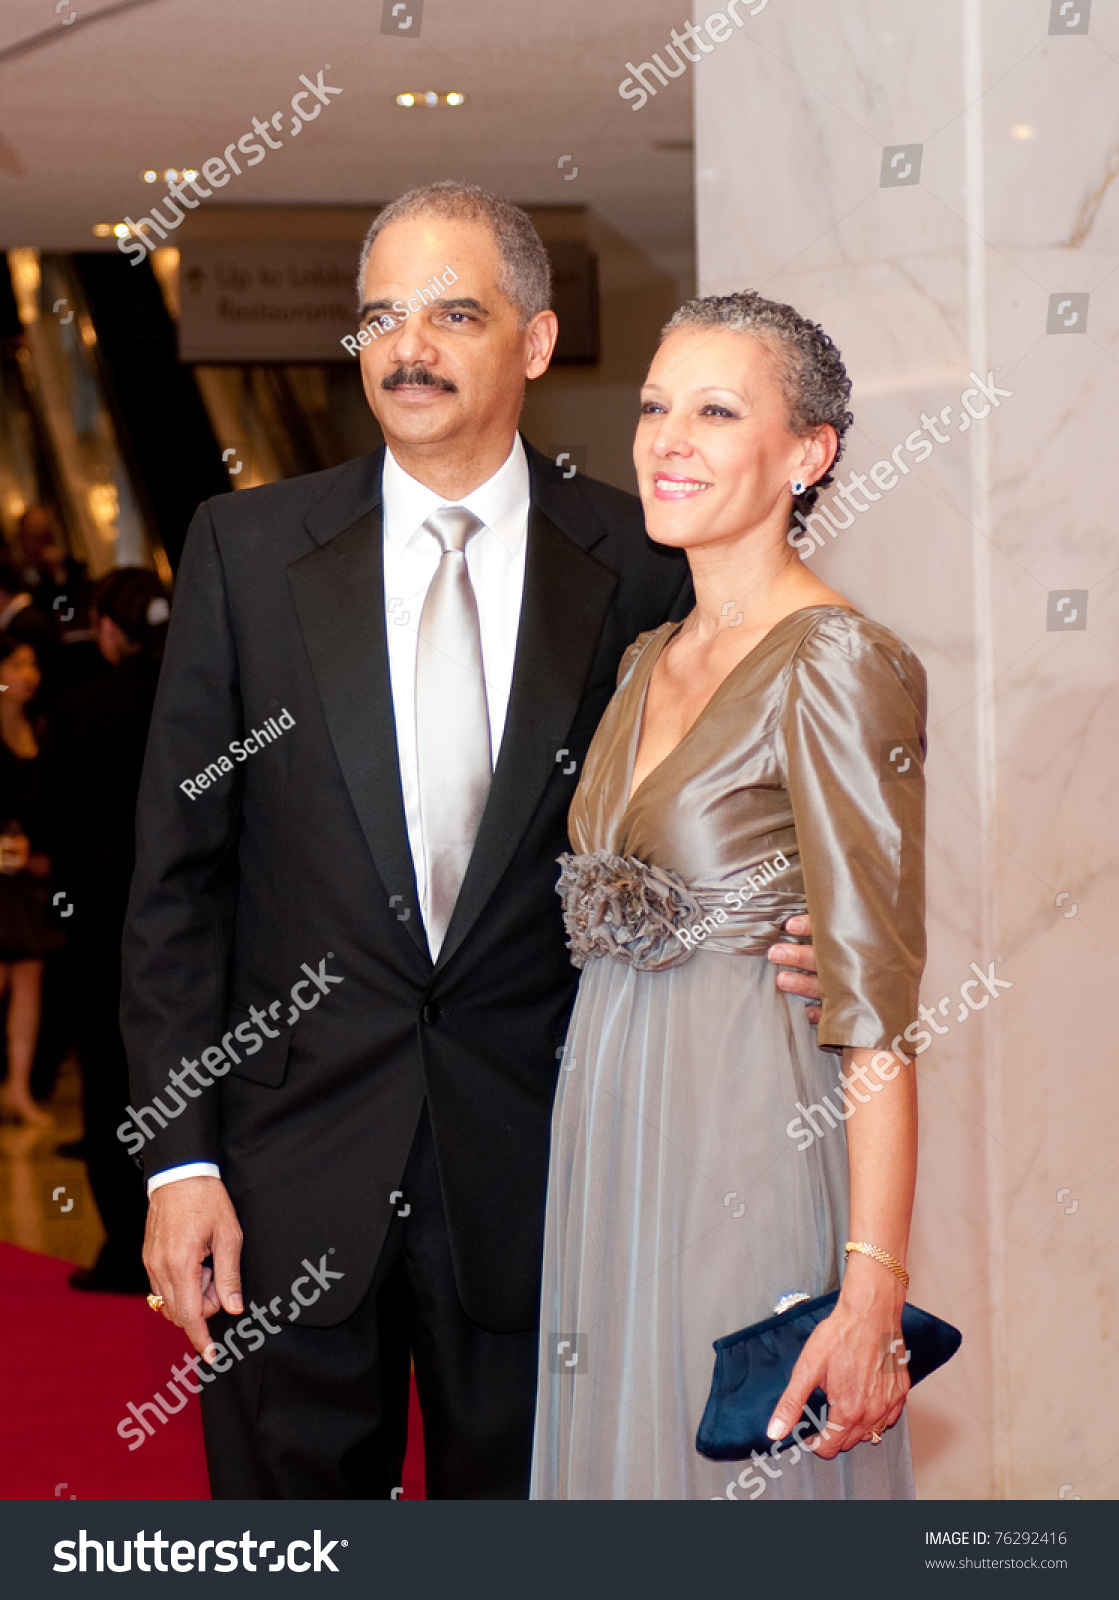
432 1011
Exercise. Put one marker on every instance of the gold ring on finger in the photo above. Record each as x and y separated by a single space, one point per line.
156 1302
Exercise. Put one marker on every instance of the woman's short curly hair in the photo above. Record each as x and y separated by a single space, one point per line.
813 377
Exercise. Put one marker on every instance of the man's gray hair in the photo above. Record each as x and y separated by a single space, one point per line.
526 274
813 377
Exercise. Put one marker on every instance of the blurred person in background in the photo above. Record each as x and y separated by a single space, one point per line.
94 747
77 660
22 619
26 933
48 572
19 615
80 658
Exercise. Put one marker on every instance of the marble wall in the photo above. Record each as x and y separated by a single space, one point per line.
984 256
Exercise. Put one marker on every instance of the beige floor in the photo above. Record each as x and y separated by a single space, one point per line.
45 1203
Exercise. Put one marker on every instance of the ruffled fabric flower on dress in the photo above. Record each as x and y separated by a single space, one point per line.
621 907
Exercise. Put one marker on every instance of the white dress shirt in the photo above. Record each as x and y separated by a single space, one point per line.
495 560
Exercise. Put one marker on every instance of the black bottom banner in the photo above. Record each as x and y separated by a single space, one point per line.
574 1551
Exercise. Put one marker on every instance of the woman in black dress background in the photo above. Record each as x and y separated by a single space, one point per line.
26 933
83 807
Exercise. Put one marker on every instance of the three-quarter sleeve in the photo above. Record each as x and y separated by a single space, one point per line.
853 736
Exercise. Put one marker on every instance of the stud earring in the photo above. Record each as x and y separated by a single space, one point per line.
797 486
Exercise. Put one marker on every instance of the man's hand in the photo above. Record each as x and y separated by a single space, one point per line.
802 957
188 1220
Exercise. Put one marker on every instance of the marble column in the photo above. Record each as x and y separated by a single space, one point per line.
933 184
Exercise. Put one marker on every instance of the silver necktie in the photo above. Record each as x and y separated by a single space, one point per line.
452 719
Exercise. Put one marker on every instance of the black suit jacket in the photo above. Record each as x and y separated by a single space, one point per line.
300 855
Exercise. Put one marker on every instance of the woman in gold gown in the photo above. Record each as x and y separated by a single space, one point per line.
746 770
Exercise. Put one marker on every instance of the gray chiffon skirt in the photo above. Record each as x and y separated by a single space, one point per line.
679 1210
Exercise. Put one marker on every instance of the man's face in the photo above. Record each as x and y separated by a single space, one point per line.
447 372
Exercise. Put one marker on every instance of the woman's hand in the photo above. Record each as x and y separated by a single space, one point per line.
858 1357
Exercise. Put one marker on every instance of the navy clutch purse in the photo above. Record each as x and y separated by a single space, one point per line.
753 1368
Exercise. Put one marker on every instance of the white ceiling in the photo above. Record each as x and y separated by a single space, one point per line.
87 105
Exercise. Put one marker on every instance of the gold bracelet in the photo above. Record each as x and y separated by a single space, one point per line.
877 1254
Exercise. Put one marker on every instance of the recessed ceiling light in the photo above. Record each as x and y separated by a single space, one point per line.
170 175
1022 130
430 97
122 230
103 230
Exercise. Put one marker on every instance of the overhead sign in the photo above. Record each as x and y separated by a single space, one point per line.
266 302
297 301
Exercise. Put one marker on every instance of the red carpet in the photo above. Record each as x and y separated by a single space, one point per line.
72 1362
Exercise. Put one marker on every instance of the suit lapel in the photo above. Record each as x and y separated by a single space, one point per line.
566 596
340 598
338 591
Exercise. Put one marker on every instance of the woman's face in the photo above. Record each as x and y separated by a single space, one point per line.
20 675
713 451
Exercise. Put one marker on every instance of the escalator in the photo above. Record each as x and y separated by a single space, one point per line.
101 422
59 402
165 432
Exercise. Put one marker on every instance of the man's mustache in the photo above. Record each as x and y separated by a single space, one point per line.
417 377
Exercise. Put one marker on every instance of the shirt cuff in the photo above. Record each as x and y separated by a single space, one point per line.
192 1169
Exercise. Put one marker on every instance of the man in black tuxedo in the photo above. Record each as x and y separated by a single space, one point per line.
387 1126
